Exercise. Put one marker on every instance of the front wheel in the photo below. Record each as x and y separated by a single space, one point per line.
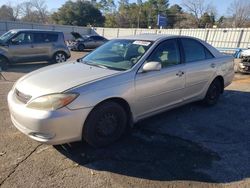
59 57
81 47
213 93
105 124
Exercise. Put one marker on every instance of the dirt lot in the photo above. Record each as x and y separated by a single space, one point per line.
191 146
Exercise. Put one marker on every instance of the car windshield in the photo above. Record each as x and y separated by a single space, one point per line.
6 36
118 54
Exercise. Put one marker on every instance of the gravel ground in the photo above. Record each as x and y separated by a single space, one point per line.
191 146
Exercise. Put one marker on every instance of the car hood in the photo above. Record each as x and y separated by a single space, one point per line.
60 77
80 40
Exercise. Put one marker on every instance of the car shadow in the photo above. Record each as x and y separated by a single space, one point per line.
85 50
189 143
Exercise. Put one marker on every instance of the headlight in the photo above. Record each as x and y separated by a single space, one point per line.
53 101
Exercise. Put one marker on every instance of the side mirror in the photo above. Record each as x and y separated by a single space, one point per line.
79 60
151 66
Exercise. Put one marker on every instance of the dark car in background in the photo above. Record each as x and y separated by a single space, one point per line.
23 45
81 43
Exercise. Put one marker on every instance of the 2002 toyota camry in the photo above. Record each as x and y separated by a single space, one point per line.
121 82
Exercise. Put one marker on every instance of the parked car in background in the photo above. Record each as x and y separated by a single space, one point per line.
242 60
28 45
116 85
81 43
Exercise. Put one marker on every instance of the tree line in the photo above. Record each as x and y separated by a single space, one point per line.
189 14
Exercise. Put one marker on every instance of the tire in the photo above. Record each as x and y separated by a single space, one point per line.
105 124
81 47
59 57
4 63
213 93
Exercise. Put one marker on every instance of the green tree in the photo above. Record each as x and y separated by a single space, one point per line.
6 13
123 4
81 13
111 20
106 6
123 14
153 8
174 15
207 20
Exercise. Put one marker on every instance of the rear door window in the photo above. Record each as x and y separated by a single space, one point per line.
38 38
195 51
51 37
45 37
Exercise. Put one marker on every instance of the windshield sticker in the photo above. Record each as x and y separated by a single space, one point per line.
143 43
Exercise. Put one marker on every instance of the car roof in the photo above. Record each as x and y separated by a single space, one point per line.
36 30
94 36
157 37
148 37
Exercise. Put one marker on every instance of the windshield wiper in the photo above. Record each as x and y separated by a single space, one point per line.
115 68
102 66
94 64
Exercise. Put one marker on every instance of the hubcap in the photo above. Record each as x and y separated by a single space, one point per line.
60 58
81 47
107 125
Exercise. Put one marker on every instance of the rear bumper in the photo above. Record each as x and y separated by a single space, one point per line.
244 68
50 127
69 55
73 47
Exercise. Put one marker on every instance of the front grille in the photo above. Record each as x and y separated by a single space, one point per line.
22 97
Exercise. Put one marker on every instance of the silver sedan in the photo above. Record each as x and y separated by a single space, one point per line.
127 79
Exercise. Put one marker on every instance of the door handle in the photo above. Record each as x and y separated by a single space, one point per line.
180 73
213 65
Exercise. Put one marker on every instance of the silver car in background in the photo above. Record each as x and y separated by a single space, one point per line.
127 79
30 45
85 42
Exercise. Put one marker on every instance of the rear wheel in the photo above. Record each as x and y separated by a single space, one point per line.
59 57
105 124
81 47
213 93
4 63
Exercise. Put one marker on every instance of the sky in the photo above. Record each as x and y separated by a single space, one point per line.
221 5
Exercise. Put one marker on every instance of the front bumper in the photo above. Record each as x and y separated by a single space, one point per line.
50 127
73 47
244 67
